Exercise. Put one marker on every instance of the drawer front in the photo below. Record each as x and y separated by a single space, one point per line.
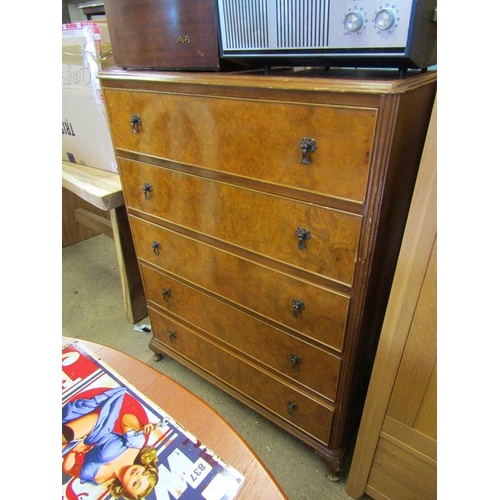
316 312
257 139
266 390
250 219
298 360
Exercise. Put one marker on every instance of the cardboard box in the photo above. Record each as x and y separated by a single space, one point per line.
86 138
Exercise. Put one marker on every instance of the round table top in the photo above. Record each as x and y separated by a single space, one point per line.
194 415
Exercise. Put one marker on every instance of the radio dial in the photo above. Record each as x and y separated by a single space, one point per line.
384 19
353 21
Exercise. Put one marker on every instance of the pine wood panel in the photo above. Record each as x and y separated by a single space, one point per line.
251 219
130 276
99 187
317 369
404 465
73 231
93 203
396 448
412 438
93 221
260 139
414 391
426 421
400 473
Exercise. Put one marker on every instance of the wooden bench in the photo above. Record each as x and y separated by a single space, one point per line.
103 190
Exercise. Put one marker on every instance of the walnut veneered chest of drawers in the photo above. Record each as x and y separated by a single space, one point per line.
267 212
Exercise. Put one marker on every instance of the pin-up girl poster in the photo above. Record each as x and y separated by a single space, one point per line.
116 443
104 442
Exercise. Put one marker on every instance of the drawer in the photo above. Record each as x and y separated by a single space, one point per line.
250 219
315 311
257 139
294 358
267 391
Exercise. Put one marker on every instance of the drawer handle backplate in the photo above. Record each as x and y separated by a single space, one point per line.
156 245
147 189
135 121
171 336
165 293
298 305
296 359
303 234
291 407
307 145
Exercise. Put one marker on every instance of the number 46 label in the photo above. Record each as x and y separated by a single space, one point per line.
197 473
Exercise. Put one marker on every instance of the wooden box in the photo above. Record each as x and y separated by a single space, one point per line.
163 34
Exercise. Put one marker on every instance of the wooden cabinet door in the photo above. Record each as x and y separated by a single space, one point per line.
405 461
396 448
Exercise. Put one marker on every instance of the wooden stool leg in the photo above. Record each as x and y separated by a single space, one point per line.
133 291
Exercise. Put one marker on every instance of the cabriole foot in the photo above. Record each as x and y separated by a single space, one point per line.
334 459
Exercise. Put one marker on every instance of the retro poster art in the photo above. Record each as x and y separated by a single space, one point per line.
116 443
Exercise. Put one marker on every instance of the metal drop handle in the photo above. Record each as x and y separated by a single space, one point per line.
291 407
156 245
297 305
147 189
307 145
135 121
171 336
303 234
165 293
296 359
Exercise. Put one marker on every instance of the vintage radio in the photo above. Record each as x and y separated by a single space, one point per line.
164 34
363 33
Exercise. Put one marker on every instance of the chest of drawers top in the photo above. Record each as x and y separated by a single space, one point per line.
318 80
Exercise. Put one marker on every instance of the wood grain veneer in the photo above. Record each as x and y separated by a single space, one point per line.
252 308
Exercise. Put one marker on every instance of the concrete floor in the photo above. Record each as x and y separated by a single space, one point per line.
92 309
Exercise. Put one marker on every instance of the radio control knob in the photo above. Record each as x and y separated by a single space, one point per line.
384 19
353 21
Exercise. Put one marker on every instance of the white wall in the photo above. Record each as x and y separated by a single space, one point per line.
76 13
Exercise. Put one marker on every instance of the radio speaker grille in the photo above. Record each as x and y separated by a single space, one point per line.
246 23
297 23
302 23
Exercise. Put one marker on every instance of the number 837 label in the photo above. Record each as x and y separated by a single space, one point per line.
195 475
